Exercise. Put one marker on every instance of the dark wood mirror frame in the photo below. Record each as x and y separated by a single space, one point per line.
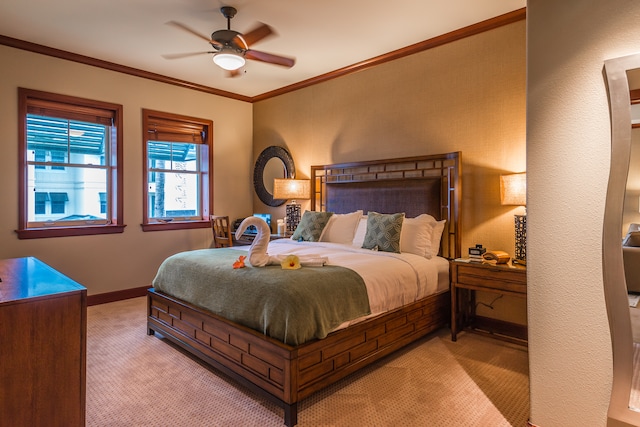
615 289
258 179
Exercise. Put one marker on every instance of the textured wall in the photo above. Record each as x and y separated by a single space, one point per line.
466 96
119 261
568 154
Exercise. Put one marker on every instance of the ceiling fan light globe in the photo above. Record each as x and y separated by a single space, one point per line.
228 61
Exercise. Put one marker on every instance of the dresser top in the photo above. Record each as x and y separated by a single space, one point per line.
29 278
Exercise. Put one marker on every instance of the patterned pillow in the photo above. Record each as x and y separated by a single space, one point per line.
311 225
383 232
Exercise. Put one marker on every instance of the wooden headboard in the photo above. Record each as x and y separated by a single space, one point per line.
413 185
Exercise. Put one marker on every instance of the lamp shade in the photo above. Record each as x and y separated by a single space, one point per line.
513 189
291 189
228 60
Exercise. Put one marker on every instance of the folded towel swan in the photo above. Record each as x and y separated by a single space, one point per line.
258 256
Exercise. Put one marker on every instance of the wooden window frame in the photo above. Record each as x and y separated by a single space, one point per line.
179 126
69 107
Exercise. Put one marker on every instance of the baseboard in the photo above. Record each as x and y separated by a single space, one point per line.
117 295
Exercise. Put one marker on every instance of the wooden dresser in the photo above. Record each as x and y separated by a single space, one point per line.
43 326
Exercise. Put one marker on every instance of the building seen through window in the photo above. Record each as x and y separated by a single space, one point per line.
66 169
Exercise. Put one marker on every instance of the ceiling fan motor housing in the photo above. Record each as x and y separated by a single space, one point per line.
228 39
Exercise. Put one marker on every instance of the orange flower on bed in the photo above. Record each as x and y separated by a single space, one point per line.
240 262
291 262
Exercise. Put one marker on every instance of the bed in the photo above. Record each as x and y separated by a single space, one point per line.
287 372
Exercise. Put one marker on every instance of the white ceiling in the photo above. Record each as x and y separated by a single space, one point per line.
323 36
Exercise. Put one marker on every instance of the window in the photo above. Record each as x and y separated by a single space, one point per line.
70 153
41 200
58 157
40 156
178 152
58 202
103 202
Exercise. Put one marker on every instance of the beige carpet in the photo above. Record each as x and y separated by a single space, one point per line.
135 380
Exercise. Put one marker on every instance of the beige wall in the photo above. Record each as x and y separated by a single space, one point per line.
120 261
568 154
466 96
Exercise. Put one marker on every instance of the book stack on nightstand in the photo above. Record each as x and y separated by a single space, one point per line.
476 253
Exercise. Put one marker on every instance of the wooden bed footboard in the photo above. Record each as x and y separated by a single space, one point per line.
286 374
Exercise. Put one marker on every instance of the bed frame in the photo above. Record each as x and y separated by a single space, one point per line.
287 374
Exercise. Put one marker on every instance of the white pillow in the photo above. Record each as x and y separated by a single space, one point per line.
341 227
436 236
361 231
416 235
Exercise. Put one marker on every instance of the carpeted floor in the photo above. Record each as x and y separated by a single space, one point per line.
134 380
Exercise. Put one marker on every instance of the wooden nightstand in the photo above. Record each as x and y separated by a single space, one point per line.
505 279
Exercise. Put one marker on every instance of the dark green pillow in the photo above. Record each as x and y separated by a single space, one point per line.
311 225
383 232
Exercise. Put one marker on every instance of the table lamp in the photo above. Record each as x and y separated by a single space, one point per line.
291 189
513 191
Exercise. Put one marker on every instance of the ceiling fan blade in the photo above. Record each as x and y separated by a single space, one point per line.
194 32
270 58
183 55
257 34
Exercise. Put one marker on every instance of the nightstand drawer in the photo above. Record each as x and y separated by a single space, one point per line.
504 279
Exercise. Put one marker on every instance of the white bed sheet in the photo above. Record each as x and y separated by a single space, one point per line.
392 280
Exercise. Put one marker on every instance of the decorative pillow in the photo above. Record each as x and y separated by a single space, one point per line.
436 236
341 228
632 239
358 239
415 237
311 225
383 232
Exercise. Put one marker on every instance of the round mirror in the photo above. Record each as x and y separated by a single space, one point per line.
273 169
273 162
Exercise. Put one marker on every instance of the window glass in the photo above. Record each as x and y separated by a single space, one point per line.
174 185
76 174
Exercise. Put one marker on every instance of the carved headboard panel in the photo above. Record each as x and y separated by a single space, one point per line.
413 185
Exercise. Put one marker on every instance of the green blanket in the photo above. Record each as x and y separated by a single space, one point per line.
293 306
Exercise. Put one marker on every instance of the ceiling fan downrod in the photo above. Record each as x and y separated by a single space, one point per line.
228 12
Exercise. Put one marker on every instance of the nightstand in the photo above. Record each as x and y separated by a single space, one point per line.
469 277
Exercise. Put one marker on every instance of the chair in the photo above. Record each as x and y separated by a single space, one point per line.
221 228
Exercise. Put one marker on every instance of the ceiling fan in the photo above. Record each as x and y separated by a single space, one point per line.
233 48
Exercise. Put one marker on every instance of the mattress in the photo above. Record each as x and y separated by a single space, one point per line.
392 279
